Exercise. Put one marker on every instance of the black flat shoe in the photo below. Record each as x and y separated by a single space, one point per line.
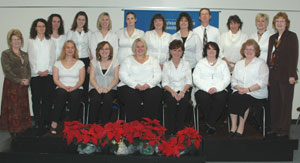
238 135
53 131
231 134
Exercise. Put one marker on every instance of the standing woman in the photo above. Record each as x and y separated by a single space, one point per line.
232 41
191 40
157 39
262 35
282 60
68 75
57 32
103 33
41 53
104 76
140 76
127 36
177 81
15 114
81 35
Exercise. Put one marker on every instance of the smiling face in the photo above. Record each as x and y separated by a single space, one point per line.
249 52
80 21
15 42
140 48
158 24
70 49
105 22
234 27
261 24
104 51
211 52
204 17
40 28
280 24
130 20
176 53
55 23
184 23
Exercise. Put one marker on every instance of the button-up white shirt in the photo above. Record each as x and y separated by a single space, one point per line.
59 43
213 33
263 43
82 42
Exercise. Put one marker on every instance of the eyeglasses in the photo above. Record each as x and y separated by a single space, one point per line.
249 49
104 49
15 39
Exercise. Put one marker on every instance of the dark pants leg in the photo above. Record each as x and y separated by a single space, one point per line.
59 104
107 106
75 98
151 102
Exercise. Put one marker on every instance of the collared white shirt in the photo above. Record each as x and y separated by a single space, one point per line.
213 33
97 37
176 78
192 48
206 76
82 42
132 72
59 43
256 72
158 46
125 42
263 43
230 45
41 54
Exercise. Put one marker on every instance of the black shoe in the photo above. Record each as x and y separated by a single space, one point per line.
211 131
231 134
238 135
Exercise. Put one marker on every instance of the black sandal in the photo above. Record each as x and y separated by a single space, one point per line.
53 131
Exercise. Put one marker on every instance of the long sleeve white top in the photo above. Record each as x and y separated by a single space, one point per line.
192 47
59 43
230 45
158 46
176 78
256 72
82 42
125 42
41 55
132 72
97 37
263 43
213 33
206 76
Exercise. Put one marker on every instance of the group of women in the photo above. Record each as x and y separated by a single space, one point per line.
142 69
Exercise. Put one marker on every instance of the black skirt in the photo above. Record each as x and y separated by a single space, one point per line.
239 103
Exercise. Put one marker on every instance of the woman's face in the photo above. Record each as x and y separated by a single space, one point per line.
261 24
40 28
55 23
130 20
140 48
211 52
280 24
176 53
15 42
70 49
105 22
104 51
80 21
158 24
184 23
234 27
249 52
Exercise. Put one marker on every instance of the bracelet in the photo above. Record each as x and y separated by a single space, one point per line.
249 89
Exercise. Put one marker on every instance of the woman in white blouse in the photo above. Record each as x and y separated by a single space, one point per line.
157 39
262 35
103 33
41 53
139 88
231 41
57 32
191 40
104 76
127 36
68 75
249 82
211 77
177 81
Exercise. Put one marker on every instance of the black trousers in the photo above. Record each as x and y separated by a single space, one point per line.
176 111
62 96
85 84
140 104
41 95
212 105
101 106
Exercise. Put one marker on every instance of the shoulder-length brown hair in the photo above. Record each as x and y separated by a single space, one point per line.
284 16
85 27
253 43
158 16
100 46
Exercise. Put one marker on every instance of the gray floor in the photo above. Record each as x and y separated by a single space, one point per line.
295 134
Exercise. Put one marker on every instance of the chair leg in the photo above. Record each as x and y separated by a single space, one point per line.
264 121
163 115
228 123
83 113
195 121
298 119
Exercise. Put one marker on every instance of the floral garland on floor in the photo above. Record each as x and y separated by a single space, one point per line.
135 133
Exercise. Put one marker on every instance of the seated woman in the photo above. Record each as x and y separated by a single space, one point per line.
140 76
249 82
176 79
211 77
104 76
68 75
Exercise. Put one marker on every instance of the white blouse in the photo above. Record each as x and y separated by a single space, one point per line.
158 46
206 76
41 55
69 76
97 37
176 78
192 48
125 42
104 80
256 72
132 72
231 44
59 43
82 42
263 43
213 33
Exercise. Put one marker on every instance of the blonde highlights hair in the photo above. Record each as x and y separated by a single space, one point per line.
14 32
63 51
